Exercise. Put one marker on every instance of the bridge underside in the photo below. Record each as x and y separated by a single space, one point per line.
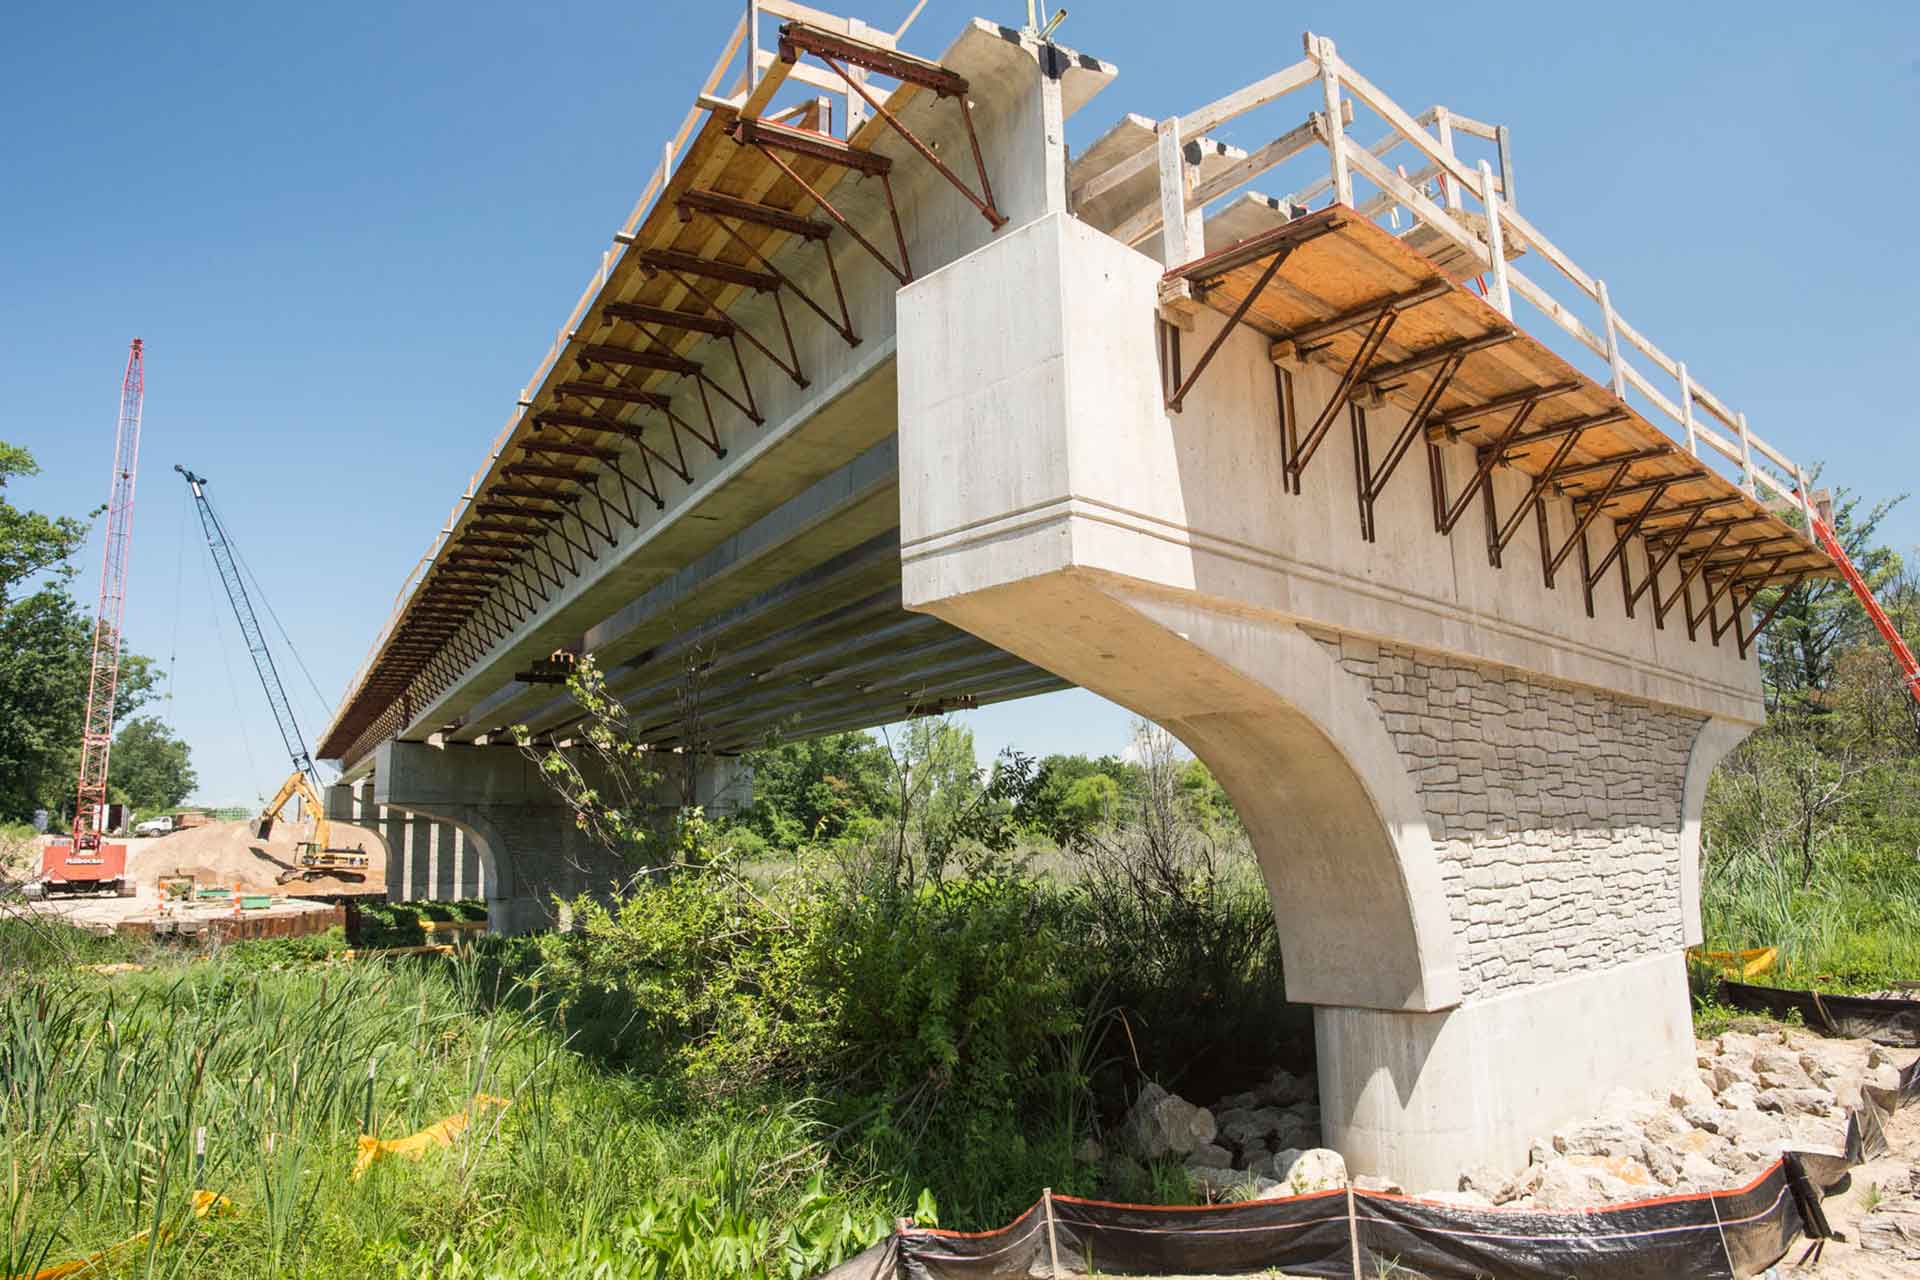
827 646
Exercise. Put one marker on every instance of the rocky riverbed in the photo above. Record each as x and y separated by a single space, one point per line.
1750 1095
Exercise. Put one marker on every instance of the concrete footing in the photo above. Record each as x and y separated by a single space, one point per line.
1420 1096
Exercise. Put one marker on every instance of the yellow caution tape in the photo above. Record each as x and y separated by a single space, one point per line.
204 1203
440 1133
1740 964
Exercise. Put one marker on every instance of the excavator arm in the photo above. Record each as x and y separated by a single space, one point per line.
318 852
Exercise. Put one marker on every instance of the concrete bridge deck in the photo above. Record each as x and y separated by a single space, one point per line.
886 406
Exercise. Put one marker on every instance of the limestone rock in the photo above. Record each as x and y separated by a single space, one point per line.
1780 1069
1460 1199
1809 1101
1698 1173
1283 1088
1210 1155
1691 1088
1706 1119
1374 1182
1740 1096
1599 1138
1305 1171
1661 1161
1567 1185
1727 1072
1163 1124
1090 1152
1893 1227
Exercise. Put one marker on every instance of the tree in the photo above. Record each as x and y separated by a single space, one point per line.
151 769
45 654
1819 619
818 789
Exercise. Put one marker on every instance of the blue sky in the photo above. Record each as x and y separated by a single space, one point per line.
347 232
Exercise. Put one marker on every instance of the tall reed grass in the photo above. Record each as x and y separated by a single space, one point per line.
119 1097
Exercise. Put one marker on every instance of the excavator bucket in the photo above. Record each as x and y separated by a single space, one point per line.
263 830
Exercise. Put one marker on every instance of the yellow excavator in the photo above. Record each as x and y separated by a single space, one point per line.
317 855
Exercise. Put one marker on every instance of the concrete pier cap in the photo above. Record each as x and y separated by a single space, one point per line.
1475 806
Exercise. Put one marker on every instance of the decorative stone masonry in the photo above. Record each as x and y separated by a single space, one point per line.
1554 810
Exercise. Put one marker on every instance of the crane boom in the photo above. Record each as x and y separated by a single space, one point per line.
304 781
250 630
96 739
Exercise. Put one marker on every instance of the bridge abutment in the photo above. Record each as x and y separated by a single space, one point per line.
529 848
1471 800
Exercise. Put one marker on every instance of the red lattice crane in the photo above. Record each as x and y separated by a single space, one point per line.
1909 669
86 862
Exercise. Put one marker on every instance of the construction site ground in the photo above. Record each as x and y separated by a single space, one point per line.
228 855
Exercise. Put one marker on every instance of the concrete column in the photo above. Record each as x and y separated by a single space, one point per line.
398 834
444 863
529 849
339 802
1717 739
420 857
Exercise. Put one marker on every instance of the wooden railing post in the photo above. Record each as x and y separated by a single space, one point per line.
1746 452
1686 408
1176 238
1615 361
1449 188
1496 242
1503 139
1321 50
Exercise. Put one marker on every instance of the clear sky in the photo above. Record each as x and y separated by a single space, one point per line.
348 231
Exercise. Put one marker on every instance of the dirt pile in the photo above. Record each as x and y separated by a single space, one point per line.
230 854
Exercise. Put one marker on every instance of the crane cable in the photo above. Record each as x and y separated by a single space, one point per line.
173 646
233 689
259 593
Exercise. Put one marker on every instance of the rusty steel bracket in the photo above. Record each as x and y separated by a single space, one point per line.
1372 482
1747 638
1302 454
789 366
768 139
1683 593
834 50
1581 522
1447 511
1500 534
1622 535
1728 583
720 208
1737 606
626 431
1178 395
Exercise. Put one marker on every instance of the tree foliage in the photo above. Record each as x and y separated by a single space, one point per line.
818 789
150 768
1819 619
45 654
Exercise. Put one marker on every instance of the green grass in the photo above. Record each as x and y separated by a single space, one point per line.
1855 927
279 1061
